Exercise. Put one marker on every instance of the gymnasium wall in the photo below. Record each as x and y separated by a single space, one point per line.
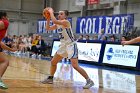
65 4
134 7
23 15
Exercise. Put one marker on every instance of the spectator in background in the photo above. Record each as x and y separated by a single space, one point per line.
123 38
87 37
81 37
34 36
95 37
40 45
104 38
21 45
25 41
113 38
14 38
29 39
8 40
15 43
101 35
34 47
132 41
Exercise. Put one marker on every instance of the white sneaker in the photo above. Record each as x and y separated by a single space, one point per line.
39 56
89 84
34 56
2 85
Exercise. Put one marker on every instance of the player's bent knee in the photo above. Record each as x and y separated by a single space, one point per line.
53 63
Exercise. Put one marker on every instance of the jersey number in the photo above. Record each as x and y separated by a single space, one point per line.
61 36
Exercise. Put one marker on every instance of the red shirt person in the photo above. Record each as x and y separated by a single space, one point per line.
3 30
4 23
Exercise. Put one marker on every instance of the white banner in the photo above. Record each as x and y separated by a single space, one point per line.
109 1
105 1
121 55
89 51
118 0
86 51
80 2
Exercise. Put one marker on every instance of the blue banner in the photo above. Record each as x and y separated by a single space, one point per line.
41 26
117 24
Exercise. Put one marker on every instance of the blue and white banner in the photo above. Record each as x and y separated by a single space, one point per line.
86 51
89 51
121 55
117 24
41 26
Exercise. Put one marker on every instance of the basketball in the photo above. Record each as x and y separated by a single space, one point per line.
46 13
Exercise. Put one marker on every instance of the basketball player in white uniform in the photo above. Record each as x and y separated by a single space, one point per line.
68 48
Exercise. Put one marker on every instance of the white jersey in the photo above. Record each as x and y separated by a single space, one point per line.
65 34
68 47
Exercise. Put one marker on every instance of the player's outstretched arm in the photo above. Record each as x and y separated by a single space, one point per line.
135 40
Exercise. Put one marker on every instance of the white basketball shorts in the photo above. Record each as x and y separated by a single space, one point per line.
68 51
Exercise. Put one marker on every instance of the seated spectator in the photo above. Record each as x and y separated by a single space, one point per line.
8 41
104 38
113 38
15 43
101 35
25 41
87 37
40 45
123 38
22 46
81 37
34 47
95 37
29 43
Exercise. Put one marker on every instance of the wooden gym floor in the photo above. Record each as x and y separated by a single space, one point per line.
24 75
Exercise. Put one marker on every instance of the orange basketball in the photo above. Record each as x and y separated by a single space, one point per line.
46 14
